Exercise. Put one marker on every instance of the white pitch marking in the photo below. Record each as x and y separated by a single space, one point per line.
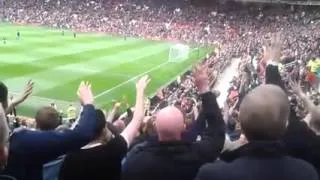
126 82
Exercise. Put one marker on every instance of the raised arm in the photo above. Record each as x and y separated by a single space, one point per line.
272 57
296 88
273 76
130 132
24 95
113 112
212 138
57 142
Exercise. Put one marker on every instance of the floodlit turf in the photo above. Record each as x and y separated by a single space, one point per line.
57 64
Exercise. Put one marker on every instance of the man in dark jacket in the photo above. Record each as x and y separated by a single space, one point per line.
101 156
30 149
268 160
264 123
171 158
300 141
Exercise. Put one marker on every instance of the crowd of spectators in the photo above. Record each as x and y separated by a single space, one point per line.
258 134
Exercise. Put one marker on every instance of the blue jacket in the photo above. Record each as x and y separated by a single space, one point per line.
29 149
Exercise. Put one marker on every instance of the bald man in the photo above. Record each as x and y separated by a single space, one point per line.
169 124
170 157
263 117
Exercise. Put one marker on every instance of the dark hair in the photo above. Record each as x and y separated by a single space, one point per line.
4 95
47 118
100 123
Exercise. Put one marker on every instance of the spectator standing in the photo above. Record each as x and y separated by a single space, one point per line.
30 149
264 124
171 158
100 155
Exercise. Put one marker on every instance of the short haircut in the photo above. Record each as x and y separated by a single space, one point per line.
3 95
264 113
100 123
47 118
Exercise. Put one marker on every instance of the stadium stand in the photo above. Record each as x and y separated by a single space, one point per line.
268 127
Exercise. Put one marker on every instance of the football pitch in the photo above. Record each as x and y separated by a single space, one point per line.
58 63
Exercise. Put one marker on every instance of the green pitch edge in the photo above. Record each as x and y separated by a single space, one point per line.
113 72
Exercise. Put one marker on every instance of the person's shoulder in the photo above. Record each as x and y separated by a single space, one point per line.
143 151
302 167
21 131
116 146
19 137
120 141
213 170
217 166
298 162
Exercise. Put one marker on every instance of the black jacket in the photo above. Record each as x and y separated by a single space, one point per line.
259 161
300 141
179 160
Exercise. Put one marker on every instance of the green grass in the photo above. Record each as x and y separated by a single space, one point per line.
57 64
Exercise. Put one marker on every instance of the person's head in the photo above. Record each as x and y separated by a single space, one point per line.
169 124
119 125
264 113
100 131
3 95
47 118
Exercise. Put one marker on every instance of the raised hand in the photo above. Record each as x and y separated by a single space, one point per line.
296 88
142 84
273 52
27 90
201 78
85 93
132 129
